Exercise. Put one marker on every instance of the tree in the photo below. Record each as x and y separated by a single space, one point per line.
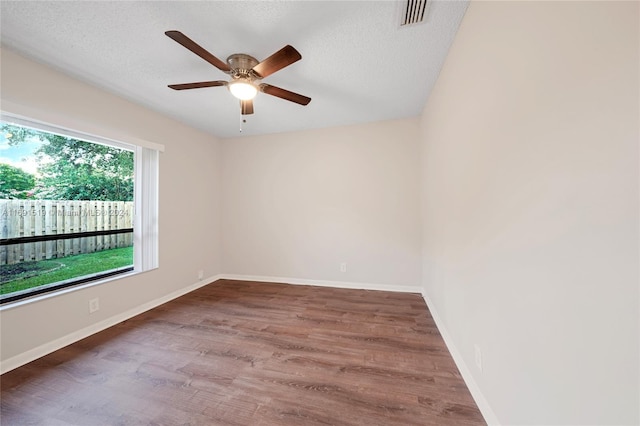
72 169
15 182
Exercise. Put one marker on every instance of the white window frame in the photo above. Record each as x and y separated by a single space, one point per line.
146 188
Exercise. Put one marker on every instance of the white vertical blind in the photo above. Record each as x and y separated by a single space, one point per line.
145 249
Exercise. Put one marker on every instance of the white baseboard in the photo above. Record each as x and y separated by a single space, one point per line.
324 283
483 405
47 348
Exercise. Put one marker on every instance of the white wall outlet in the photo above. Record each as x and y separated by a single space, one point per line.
478 357
94 305
343 267
200 274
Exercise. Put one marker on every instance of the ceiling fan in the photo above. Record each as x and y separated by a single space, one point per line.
245 71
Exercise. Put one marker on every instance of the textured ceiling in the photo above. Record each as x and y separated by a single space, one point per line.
358 65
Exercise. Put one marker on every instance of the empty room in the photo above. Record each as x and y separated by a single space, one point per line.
320 213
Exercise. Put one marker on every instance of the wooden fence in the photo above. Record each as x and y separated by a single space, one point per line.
27 218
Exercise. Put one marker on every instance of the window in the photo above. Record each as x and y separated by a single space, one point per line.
83 208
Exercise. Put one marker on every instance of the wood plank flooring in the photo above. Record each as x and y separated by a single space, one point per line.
247 353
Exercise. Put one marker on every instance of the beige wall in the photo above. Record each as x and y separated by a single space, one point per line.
189 207
530 208
297 205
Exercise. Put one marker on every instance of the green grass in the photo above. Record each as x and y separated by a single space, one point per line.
27 275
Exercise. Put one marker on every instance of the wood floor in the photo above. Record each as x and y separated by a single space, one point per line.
246 353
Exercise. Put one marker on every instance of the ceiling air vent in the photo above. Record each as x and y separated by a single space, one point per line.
413 12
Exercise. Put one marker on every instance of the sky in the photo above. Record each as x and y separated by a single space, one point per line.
21 156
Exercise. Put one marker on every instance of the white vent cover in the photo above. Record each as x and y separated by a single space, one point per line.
413 12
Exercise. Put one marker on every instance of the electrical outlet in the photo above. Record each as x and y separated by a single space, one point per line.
200 274
478 357
343 267
94 305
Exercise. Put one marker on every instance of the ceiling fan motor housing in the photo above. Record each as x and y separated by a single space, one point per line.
241 65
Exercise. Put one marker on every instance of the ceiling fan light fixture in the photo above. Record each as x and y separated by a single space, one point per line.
243 89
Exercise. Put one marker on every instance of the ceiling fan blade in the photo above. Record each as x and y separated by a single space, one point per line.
284 94
282 58
198 85
185 41
246 107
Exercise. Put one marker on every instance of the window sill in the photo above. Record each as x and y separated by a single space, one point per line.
56 293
